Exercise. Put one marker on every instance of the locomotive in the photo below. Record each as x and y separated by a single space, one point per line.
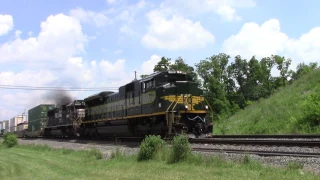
163 103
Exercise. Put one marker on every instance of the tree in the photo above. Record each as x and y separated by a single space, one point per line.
213 71
180 65
283 66
239 71
253 85
143 76
266 65
163 65
303 69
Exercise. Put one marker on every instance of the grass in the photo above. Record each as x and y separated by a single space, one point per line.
279 114
41 162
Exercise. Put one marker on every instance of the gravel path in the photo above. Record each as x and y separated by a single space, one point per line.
309 164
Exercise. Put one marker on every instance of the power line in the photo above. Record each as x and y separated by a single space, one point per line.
56 88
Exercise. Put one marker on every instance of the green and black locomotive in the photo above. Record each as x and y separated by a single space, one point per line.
163 103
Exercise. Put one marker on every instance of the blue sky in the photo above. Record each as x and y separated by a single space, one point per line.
78 43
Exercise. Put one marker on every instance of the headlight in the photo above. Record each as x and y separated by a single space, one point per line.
206 106
186 106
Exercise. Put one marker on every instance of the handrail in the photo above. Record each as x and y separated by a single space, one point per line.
167 111
175 105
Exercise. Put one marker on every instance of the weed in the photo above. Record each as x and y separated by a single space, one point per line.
95 153
181 149
10 140
149 147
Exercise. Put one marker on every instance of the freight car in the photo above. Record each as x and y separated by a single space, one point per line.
37 120
163 103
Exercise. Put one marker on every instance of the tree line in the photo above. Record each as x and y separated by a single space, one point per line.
229 87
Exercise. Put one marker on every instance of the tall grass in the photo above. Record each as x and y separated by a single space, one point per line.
282 113
43 162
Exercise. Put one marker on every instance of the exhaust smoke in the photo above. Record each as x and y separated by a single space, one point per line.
59 97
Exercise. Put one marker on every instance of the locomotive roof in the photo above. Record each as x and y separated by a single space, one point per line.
149 77
101 94
75 101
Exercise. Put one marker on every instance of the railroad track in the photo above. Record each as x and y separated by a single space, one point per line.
269 136
261 142
260 153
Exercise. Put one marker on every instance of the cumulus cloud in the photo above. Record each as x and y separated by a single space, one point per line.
60 37
267 38
226 9
174 33
228 13
86 16
6 24
147 66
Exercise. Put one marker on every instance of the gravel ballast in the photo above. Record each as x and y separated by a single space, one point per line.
309 164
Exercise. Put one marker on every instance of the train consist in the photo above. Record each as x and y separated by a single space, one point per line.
163 103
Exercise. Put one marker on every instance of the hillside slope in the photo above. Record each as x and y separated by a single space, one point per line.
279 114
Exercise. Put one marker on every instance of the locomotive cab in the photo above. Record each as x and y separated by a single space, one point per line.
183 103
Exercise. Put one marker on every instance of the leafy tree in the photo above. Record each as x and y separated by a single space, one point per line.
303 69
239 71
266 65
180 65
163 65
283 66
143 76
253 87
213 71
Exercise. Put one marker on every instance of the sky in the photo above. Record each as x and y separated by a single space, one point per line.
81 44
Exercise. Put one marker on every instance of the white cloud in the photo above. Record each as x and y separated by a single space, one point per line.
6 24
17 33
75 73
228 13
111 1
174 33
127 16
267 38
99 19
127 30
147 66
226 9
60 37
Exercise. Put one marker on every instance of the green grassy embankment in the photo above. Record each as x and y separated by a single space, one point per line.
40 162
282 113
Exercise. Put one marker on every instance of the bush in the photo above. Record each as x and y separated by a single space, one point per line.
95 153
311 109
181 149
10 140
149 147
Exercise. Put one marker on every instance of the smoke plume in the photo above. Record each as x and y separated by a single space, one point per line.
59 97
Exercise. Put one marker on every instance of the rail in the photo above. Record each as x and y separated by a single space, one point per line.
260 152
265 136
300 143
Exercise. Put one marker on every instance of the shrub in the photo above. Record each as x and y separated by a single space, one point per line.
117 154
95 153
10 140
149 147
311 110
181 149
